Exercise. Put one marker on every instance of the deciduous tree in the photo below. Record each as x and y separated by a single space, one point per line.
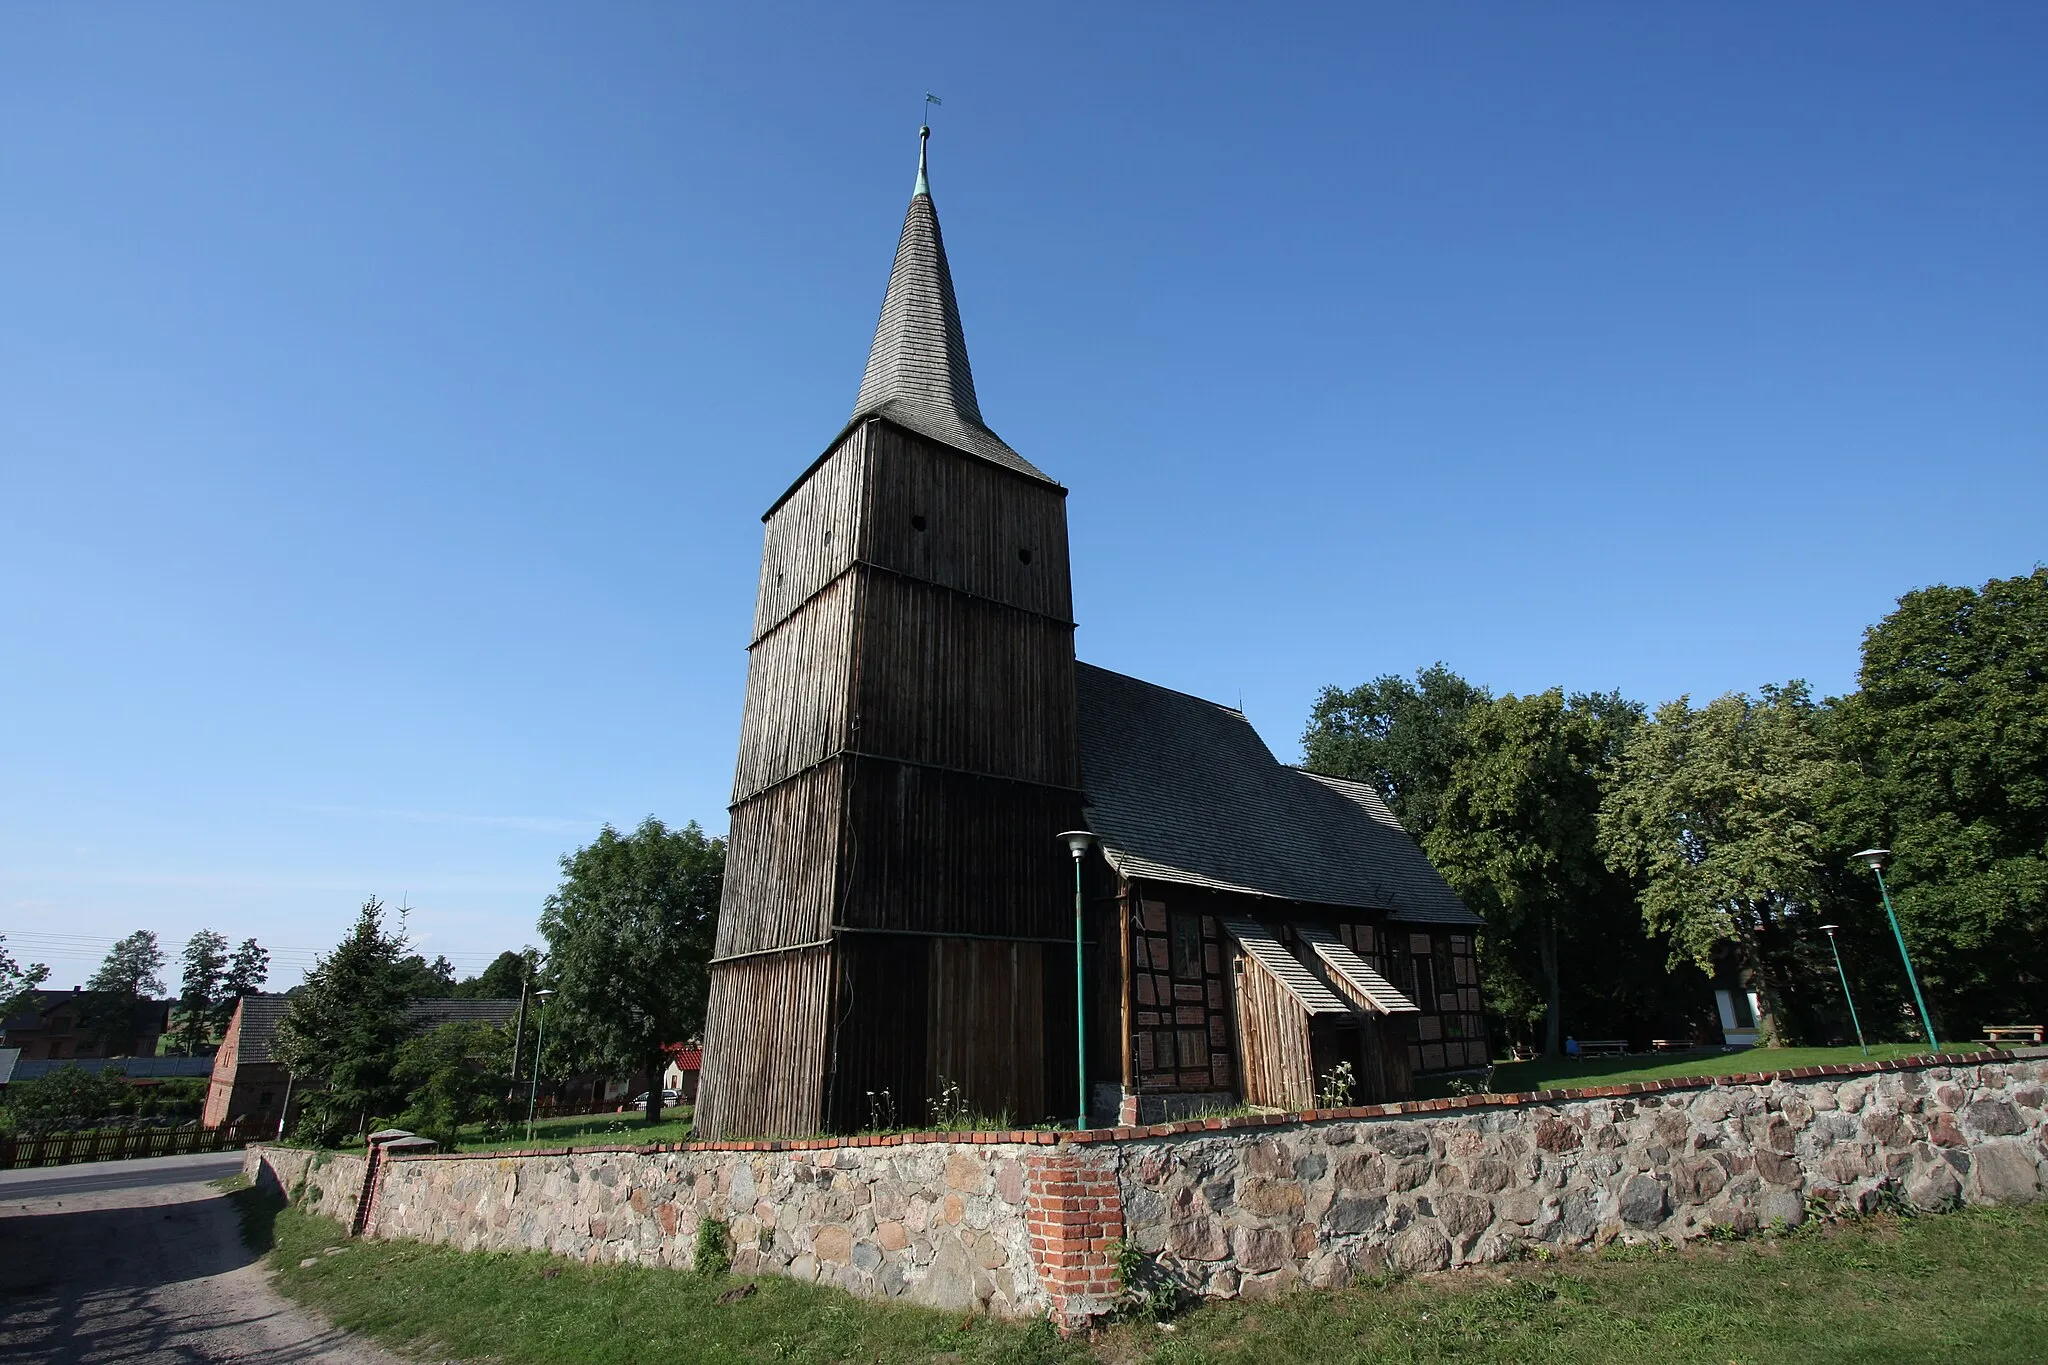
453 1075
1401 736
129 978
1517 823
1946 749
629 944
17 982
1716 811
206 965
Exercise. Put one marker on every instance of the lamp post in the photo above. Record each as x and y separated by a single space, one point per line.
1829 929
540 1039
1877 858
1078 842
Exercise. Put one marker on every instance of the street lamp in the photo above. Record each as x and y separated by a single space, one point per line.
540 1039
1877 858
1078 842
1829 929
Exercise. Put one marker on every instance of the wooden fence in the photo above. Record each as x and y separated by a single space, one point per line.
121 1144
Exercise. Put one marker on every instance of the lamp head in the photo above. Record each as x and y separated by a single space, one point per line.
543 993
1829 929
1078 842
1878 858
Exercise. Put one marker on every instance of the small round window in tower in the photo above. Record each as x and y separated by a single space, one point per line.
1023 556
917 522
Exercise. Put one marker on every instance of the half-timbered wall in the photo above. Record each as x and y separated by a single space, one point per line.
1438 971
1181 1000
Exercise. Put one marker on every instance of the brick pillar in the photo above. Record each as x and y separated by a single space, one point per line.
1076 1219
366 1198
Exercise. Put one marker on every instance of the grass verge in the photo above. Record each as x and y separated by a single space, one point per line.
1968 1286
530 1309
1546 1073
590 1130
1965 1286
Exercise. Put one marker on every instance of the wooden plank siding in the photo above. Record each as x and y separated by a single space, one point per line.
1277 1059
765 1075
782 864
908 751
810 539
798 678
946 852
934 665
979 520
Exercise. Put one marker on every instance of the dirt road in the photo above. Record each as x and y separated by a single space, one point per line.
142 1263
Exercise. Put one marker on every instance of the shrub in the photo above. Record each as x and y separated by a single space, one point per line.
711 1257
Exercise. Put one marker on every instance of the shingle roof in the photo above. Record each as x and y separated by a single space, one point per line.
917 375
1286 968
1183 790
261 1014
425 1014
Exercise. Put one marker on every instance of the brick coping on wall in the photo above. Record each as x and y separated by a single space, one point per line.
1050 1138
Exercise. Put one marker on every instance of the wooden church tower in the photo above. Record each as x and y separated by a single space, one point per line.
897 912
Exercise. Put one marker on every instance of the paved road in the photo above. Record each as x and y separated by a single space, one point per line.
142 1263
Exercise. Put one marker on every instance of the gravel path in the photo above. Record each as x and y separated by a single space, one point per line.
142 1263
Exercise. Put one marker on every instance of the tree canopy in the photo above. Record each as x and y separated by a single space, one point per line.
629 936
16 981
1946 745
1516 829
206 965
340 1035
126 981
503 979
1717 809
1403 737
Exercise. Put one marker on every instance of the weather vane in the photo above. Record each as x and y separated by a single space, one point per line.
929 100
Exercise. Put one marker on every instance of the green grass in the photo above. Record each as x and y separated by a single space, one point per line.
1969 1286
1564 1074
531 1309
590 1130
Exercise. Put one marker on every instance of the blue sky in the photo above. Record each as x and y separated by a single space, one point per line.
388 398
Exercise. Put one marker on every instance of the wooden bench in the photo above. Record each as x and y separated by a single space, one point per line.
1670 1045
2004 1035
1603 1047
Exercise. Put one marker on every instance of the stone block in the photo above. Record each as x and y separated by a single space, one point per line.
1488 1175
1196 1238
1265 1197
1992 1118
1364 1173
1935 1187
2005 1173
1353 1214
1642 1202
1260 1249
1423 1247
1463 1216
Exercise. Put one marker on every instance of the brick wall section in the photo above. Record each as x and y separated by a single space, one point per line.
1075 1215
1027 1223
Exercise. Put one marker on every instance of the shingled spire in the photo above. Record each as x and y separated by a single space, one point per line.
917 374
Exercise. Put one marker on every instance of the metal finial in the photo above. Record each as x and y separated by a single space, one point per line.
924 135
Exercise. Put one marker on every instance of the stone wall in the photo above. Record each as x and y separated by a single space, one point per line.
1254 1213
326 1183
1028 1223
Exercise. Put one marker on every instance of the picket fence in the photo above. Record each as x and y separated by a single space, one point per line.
121 1144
